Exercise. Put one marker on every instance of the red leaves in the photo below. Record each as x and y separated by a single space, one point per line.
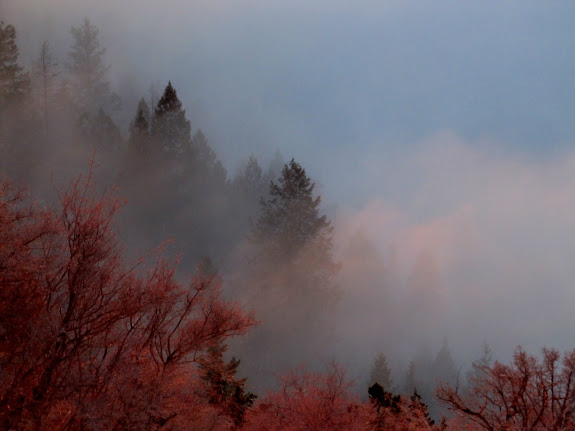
308 401
86 342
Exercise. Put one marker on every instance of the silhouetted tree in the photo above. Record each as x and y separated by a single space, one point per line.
14 80
45 72
225 391
18 126
139 140
290 231
170 130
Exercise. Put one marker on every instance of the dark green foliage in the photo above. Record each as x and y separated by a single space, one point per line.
291 230
170 130
225 390
382 399
14 81
19 128
139 140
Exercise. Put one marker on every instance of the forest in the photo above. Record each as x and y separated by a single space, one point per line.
143 287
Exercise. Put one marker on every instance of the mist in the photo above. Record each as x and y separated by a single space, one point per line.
440 138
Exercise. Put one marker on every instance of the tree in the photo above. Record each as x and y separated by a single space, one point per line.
290 278
380 373
290 232
89 342
310 401
104 133
170 130
443 366
139 140
225 391
14 81
396 413
18 126
528 394
203 163
46 71
89 85
478 366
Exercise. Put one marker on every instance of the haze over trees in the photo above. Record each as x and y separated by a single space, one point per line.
244 283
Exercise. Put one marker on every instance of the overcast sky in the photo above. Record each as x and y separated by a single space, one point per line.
441 125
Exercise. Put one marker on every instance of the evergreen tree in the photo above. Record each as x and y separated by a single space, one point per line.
14 81
104 133
249 186
18 128
291 230
444 368
290 277
45 73
140 129
479 367
203 164
225 390
170 130
251 177
89 85
380 373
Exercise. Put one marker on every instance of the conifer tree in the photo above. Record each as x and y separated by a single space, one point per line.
90 87
380 373
291 230
170 130
17 126
14 81
45 72
104 132
140 129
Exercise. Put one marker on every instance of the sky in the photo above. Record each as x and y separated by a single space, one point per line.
445 127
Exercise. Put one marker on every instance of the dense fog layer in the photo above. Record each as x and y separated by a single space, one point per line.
439 137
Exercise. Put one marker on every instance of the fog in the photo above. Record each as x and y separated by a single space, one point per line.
437 133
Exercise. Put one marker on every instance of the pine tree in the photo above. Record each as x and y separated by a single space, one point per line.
170 130
225 390
140 129
104 133
89 85
17 126
14 81
292 240
443 365
202 163
45 72
290 279
290 221
380 373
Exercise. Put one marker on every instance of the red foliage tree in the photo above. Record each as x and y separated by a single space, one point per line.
307 401
87 342
529 394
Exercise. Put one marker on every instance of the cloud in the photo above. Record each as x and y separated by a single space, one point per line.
500 229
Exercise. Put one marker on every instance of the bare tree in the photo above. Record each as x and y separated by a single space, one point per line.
529 394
